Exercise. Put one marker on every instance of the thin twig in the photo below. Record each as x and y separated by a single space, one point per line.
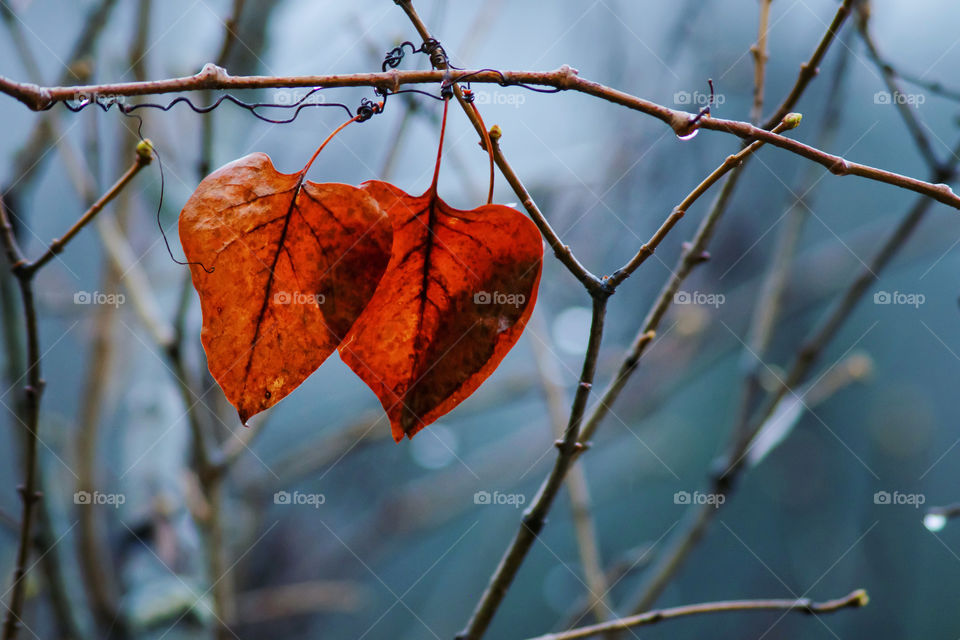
24 272
30 420
698 520
683 123
535 517
760 55
907 111
577 488
768 304
732 161
855 599
143 157
693 255
810 68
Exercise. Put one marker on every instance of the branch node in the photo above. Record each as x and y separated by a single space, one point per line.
569 76
841 167
211 75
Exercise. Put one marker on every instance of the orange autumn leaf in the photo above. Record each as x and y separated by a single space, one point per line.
455 297
293 265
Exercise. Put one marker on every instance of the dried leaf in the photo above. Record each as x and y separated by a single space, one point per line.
294 264
455 297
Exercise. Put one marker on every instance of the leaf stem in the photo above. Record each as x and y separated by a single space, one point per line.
303 172
443 131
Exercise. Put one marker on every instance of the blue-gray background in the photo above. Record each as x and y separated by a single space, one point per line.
399 540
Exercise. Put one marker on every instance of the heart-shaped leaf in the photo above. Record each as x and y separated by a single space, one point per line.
293 262
455 297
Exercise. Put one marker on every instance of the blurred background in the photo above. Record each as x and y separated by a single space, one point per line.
324 526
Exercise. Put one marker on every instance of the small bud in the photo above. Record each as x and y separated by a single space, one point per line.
792 120
145 151
495 133
861 599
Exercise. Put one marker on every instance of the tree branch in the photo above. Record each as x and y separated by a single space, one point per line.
24 273
731 162
696 523
854 600
143 157
759 51
535 517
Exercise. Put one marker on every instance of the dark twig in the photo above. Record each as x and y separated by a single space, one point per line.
855 599
699 519
535 517
906 110
759 51
24 273
143 158
731 162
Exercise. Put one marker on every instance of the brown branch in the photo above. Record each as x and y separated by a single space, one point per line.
853 600
562 251
837 165
535 517
143 157
30 420
759 51
768 306
697 522
578 490
810 68
213 77
24 273
890 78
731 162
695 253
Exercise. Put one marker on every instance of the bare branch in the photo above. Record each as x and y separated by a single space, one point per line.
855 599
